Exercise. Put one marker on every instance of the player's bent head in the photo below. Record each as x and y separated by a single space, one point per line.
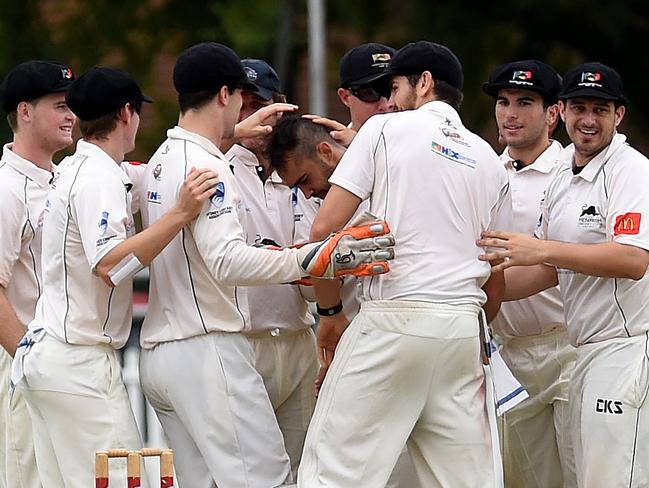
202 70
296 136
29 82
99 97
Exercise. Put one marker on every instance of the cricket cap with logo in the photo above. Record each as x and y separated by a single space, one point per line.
209 66
529 74
364 64
594 80
100 90
263 76
416 57
31 80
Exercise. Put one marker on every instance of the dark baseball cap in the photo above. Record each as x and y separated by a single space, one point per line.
594 80
31 80
209 66
100 90
364 64
263 76
416 57
529 74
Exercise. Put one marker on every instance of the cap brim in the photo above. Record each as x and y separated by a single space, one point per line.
592 93
492 90
365 80
147 99
262 92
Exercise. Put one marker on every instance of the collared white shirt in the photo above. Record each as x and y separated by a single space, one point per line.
438 186
197 281
23 191
607 201
542 312
88 213
269 207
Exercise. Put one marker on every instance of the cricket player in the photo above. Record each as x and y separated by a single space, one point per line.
66 366
536 433
280 332
409 366
33 96
197 369
593 240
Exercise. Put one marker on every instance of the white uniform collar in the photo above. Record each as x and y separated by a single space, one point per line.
595 164
98 154
543 164
25 167
249 158
183 134
444 110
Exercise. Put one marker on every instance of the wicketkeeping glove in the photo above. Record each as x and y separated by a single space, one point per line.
362 249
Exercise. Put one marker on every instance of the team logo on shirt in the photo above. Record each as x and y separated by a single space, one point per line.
153 197
454 136
294 191
452 155
627 224
157 171
219 196
103 223
590 217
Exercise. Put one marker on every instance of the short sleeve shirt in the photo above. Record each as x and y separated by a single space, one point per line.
607 201
438 186
23 191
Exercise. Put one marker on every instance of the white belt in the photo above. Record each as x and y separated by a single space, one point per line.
24 346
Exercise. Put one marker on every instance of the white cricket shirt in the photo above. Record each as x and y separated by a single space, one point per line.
269 207
607 201
438 186
23 191
88 213
542 312
198 281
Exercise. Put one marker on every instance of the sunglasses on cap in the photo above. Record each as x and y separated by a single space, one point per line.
365 93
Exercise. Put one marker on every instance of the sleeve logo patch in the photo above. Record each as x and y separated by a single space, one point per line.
103 223
627 224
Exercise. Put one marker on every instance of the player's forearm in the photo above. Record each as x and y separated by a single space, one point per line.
145 245
494 288
525 281
11 329
327 292
606 260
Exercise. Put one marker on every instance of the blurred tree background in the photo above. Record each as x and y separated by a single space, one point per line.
145 36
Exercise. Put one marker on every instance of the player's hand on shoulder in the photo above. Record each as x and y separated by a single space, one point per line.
197 188
339 132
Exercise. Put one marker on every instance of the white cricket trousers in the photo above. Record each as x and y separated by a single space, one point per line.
17 461
610 413
79 405
287 362
215 412
403 371
536 435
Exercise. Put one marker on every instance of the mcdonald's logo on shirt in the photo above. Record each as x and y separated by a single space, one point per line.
628 223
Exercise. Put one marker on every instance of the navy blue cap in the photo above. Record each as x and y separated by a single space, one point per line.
31 80
209 66
594 80
100 90
263 76
529 74
364 64
416 57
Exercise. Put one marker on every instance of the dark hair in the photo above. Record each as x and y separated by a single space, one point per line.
12 120
197 100
295 134
444 92
101 127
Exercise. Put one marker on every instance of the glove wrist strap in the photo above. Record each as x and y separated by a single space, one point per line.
328 312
